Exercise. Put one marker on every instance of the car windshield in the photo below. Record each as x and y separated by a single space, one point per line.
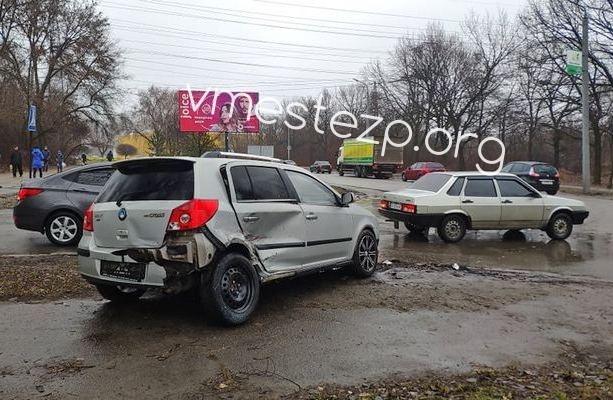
545 169
434 165
161 180
431 182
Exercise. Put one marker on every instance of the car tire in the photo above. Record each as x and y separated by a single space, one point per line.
560 226
365 254
64 228
414 228
552 192
403 177
452 228
120 294
231 291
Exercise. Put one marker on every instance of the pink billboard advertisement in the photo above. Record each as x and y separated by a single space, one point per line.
208 111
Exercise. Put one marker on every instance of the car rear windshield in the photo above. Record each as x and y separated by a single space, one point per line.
545 169
431 182
150 180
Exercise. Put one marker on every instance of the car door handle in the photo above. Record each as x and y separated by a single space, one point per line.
507 202
251 218
311 217
467 201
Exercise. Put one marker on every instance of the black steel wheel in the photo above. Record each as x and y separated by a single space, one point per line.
232 290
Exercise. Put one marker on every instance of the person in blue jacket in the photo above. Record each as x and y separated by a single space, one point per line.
38 161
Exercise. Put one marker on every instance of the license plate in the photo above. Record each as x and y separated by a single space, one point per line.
396 206
123 270
546 182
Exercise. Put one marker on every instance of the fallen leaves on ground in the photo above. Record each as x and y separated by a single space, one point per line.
43 277
8 201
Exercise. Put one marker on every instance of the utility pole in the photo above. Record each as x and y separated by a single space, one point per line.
585 99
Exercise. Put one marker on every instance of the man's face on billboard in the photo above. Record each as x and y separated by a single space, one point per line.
243 103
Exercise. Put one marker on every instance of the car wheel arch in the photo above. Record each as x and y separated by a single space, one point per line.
466 217
60 210
559 210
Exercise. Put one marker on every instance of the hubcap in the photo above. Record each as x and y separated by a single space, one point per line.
63 228
560 226
236 288
453 229
367 253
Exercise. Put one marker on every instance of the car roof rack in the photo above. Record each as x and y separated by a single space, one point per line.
239 156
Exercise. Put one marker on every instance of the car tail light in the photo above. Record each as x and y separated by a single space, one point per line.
383 204
533 173
192 215
557 175
24 193
409 208
88 219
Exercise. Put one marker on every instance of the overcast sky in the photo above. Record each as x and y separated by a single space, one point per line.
276 47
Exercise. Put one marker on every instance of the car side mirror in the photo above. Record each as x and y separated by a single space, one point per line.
347 198
534 195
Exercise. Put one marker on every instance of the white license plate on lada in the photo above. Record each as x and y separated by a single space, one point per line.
546 182
395 206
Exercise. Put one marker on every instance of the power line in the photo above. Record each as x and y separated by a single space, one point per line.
248 40
158 11
251 13
209 69
251 17
157 34
237 52
161 53
359 11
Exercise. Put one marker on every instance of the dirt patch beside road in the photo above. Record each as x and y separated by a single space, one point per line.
31 278
8 201
576 377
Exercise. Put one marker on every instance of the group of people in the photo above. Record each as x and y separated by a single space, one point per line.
40 160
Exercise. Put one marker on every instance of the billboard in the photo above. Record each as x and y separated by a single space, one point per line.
207 111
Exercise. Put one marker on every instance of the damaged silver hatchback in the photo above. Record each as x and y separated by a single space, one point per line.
221 226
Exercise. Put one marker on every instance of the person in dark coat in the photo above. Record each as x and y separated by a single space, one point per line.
59 160
38 161
84 159
47 158
16 162
109 155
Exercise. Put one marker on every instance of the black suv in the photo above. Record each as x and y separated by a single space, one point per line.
542 176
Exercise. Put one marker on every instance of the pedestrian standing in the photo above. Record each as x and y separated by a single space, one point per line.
59 159
38 161
46 158
109 156
84 159
16 162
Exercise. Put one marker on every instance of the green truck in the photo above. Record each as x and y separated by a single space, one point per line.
364 159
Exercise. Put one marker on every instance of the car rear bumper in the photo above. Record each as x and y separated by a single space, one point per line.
27 218
90 258
417 219
579 217
554 187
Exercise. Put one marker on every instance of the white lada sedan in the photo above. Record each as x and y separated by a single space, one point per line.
454 202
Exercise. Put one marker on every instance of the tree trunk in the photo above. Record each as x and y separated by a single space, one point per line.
557 138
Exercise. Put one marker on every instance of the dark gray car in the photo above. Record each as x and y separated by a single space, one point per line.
55 205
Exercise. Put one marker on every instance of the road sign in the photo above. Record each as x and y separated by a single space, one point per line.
573 62
32 119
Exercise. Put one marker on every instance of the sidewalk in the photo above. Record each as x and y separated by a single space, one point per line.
9 184
597 191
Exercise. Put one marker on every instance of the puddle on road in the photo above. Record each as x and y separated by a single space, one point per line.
583 253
